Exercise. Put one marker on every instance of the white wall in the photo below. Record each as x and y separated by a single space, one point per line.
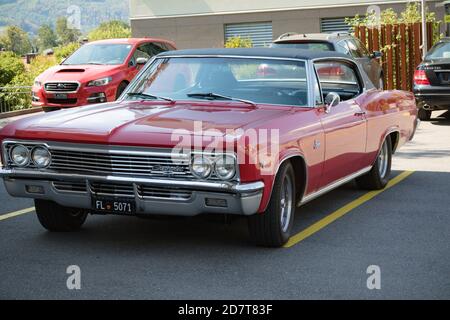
170 8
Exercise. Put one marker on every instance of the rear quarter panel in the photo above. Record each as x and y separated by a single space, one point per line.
387 112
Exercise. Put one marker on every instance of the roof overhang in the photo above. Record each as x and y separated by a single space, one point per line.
307 6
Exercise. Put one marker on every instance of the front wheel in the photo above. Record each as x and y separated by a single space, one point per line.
120 89
54 217
378 177
273 227
50 109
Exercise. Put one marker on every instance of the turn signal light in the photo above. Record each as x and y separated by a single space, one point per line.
420 78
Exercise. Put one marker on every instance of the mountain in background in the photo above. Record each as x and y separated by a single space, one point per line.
30 14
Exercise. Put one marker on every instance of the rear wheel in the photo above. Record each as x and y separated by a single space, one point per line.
424 115
378 177
54 217
273 227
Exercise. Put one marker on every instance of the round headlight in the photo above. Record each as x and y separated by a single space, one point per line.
20 155
201 167
225 167
41 157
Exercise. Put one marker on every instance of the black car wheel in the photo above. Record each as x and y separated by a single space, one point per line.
378 177
50 109
424 115
121 89
54 217
273 227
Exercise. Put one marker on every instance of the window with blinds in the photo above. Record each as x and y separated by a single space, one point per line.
260 33
329 25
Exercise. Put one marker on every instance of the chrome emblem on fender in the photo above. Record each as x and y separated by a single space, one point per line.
316 144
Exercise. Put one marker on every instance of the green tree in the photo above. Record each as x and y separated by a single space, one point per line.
63 52
110 30
16 40
11 66
65 34
46 37
238 42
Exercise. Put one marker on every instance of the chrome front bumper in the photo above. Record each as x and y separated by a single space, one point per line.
241 199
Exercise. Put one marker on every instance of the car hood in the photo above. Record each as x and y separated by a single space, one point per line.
141 123
80 73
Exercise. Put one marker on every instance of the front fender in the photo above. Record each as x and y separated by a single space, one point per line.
269 180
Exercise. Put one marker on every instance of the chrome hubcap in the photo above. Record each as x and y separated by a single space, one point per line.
286 203
383 160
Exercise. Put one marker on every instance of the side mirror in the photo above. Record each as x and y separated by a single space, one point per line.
141 61
376 55
331 100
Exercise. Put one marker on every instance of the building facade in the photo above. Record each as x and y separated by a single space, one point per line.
208 23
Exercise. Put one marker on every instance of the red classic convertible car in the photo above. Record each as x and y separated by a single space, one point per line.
205 131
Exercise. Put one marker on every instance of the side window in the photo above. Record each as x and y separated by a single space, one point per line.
147 50
362 47
342 47
355 50
155 48
164 46
141 52
339 76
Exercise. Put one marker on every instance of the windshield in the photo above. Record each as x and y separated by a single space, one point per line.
439 51
109 54
315 46
250 80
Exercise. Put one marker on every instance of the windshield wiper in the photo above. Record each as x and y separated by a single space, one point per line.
212 95
150 96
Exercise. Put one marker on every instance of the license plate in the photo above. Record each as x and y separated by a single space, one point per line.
116 206
60 96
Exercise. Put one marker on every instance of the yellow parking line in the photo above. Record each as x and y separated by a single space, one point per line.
16 213
342 211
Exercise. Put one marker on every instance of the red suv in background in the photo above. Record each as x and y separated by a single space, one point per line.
97 72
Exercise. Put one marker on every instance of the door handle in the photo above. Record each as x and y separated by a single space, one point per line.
360 113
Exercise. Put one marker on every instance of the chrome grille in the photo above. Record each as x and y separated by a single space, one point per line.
124 190
79 187
154 165
61 86
148 192
109 189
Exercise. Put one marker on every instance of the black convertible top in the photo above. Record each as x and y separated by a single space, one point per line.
258 52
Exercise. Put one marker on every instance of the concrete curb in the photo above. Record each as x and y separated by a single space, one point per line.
11 114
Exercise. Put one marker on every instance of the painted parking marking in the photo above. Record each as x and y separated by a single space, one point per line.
16 213
343 211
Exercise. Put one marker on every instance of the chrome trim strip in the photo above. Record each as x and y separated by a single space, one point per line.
424 94
164 56
333 186
187 184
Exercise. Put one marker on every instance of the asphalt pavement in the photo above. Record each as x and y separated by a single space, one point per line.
403 230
